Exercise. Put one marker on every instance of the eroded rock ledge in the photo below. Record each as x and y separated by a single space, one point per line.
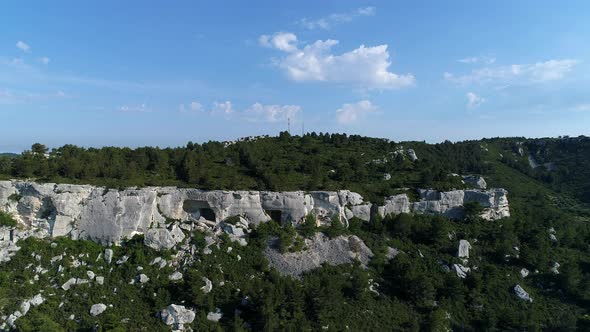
318 250
108 216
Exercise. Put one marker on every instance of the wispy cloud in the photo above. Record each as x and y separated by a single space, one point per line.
44 60
271 113
23 46
366 67
550 70
142 108
351 113
192 107
18 96
585 107
474 101
478 60
331 20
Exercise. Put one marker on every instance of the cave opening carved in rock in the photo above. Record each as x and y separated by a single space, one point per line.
197 209
275 215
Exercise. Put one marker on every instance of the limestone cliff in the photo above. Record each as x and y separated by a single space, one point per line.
109 216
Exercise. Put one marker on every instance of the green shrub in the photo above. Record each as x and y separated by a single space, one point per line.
308 228
7 220
15 197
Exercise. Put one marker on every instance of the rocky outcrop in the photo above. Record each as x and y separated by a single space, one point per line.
475 181
24 308
463 251
162 214
450 203
320 250
176 316
461 270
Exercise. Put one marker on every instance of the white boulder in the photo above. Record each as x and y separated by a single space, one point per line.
97 309
175 276
522 294
108 255
461 270
463 251
176 316
208 285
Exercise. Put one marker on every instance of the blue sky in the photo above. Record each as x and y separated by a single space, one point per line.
135 73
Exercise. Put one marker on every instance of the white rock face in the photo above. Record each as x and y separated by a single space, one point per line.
321 249
449 203
464 247
97 309
524 272
176 316
108 216
159 238
522 294
395 205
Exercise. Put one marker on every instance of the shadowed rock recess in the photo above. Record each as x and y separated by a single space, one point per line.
108 216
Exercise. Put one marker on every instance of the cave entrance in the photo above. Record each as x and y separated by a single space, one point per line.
197 209
207 214
275 215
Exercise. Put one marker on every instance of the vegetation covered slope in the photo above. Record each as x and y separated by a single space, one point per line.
413 291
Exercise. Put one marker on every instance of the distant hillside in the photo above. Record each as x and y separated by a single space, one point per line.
529 271
371 166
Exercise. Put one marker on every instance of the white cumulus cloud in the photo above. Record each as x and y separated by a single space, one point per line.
336 18
271 113
23 46
474 101
350 113
224 108
367 67
284 41
550 70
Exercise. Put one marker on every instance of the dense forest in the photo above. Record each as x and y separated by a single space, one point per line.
548 181
312 162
